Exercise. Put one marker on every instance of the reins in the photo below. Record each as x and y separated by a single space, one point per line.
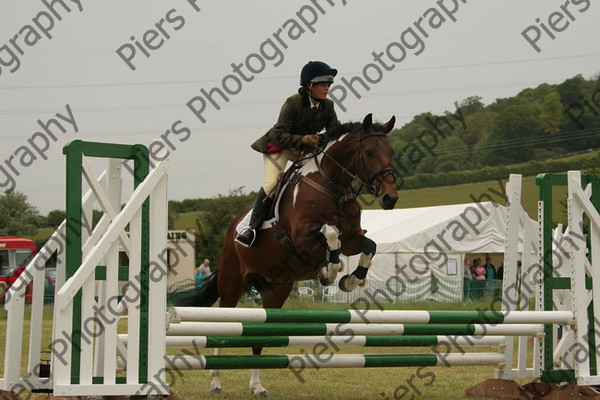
341 194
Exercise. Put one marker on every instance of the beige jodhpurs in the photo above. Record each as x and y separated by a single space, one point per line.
274 165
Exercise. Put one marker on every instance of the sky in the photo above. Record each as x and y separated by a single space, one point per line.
128 72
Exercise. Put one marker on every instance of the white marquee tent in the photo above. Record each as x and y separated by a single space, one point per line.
419 246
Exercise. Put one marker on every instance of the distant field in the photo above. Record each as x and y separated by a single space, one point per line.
482 191
186 220
42 234
424 198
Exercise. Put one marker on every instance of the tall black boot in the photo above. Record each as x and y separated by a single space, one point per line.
261 206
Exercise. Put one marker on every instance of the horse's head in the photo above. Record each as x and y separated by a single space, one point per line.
362 151
375 161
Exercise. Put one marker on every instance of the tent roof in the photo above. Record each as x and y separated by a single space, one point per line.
472 227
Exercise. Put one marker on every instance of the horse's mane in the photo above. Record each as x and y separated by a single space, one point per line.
335 131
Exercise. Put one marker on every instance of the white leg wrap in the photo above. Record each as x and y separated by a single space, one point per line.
328 273
215 377
255 387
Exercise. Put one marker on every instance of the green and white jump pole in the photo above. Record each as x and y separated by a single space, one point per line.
300 361
262 315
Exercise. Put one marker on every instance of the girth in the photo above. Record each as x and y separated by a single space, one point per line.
284 240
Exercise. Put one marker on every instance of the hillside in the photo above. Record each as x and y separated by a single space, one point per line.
535 125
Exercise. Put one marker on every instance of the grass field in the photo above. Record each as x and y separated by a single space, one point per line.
467 193
186 220
482 191
375 383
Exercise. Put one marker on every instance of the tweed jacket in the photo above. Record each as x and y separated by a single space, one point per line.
295 121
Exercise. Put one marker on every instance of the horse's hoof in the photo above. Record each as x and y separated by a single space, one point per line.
325 278
261 393
216 390
342 284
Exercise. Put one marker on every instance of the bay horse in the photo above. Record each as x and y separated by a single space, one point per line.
319 217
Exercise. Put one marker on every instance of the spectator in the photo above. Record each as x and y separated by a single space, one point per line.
198 276
489 269
468 273
479 269
500 272
205 268
468 277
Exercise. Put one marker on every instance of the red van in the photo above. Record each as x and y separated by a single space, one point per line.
15 254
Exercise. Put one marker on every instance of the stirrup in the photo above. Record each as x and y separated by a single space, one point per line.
244 239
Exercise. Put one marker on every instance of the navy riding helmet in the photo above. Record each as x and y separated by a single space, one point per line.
315 72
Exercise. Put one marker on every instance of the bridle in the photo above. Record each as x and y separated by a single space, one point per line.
383 172
374 179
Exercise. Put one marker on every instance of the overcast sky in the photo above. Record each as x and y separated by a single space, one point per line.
452 51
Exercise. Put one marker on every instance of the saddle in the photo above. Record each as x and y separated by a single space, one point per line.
273 212
286 178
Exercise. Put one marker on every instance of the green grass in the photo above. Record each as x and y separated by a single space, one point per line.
432 383
186 220
472 192
41 234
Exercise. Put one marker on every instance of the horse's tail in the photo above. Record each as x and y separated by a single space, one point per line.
204 296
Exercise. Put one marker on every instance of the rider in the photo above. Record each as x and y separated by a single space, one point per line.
301 117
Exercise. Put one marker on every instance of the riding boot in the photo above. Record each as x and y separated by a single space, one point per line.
262 203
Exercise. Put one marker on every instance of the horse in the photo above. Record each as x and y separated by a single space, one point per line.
318 218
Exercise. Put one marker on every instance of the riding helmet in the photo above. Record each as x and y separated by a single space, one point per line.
316 72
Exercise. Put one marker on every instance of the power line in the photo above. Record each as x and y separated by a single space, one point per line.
218 80
524 142
273 100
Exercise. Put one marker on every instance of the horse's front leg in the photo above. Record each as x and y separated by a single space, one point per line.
328 273
358 277
215 377
256 387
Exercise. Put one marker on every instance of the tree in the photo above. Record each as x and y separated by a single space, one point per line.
572 89
452 156
552 113
17 216
516 126
216 216
471 105
478 126
56 217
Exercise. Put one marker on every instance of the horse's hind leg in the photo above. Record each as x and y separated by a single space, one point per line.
273 296
328 273
358 277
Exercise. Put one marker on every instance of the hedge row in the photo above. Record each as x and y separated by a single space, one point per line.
485 174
